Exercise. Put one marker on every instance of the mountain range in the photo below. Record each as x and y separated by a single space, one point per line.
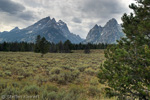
50 29
58 31
109 34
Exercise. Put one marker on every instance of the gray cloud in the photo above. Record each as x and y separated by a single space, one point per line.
80 15
101 8
77 20
11 7
27 15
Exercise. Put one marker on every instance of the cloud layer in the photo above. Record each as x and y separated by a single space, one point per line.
80 15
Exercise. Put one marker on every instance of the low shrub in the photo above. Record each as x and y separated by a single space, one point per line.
93 91
20 77
10 91
61 94
55 70
90 71
68 68
73 93
15 85
64 76
1 73
94 82
32 89
8 73
52 96
51 88
2 86
82 68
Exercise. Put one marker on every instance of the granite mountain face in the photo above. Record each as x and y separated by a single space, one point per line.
109 34
58 31
50 29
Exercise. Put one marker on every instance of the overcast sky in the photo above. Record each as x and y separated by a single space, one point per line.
80 15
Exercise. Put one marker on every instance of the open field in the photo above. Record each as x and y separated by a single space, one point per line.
56 76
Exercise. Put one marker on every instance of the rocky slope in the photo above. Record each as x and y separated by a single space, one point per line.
50 29
111 32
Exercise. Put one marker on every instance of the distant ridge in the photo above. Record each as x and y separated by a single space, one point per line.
109 34
50 29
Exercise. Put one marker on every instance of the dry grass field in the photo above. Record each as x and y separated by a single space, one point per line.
56 76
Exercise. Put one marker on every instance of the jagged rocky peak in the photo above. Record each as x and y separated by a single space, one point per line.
111 23
96 26
53 20
47 18
15 29
44 20
100 26
46 27
61 23
107 34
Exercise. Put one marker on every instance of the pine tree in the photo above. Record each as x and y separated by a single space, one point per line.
60 47
127 66
53 48
43 46
67 46
37 44
5 46
87 49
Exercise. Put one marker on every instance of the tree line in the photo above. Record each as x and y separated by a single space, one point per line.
42 45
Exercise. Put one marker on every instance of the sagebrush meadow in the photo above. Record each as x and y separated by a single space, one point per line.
56 76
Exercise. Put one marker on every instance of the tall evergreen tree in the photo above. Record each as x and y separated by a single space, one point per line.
43 46
60 47
37 44
67 46
5 46
53 48
87 49
127 66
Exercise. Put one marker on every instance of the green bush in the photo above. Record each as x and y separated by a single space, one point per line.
55 70
74 93
7 67
51 88
75 74
52 95
2 86
10 91
68 68
64 76
41 79
93 91
94 82
32 89
61 95
20 71
8 73
82 68
67 76
15 85
90 71
20 77
53 78
1 73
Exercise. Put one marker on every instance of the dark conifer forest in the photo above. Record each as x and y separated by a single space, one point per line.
60 47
